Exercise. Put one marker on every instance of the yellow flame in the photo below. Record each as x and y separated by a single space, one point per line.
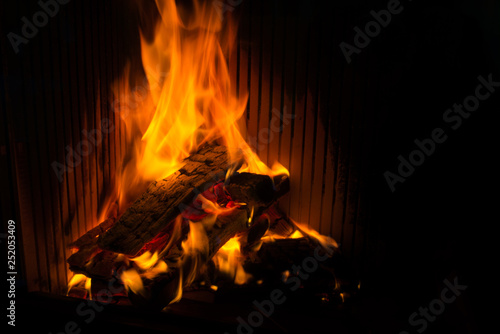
228 261
186 101
150 266
132 281
146 260
196 248
325 241
88 287
296 235
75 280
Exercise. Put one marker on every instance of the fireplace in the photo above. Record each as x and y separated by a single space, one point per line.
79 72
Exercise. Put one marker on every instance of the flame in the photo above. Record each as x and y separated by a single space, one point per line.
185 101
149 267
78 279
146 260
132 281
296 235
326 242
88 287
228 261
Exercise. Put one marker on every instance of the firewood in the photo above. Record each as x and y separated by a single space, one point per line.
83 261
89 237
256 190
164 199
93 262
164 288
255 193
78 260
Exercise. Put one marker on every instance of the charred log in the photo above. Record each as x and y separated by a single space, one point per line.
164 200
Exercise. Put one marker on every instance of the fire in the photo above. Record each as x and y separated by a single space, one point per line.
78 279
187 102
325 241
146 260
228 261
133 281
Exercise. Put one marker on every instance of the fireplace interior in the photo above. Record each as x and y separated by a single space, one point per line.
73 84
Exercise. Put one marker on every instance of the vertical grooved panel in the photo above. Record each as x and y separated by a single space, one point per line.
276 107
302 44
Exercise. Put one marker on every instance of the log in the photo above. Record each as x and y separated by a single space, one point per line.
90 237
164 200
163 289
254 192
88 259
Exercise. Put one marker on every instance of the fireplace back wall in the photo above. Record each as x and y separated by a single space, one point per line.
286 57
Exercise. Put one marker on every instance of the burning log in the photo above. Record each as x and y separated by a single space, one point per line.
89 258
89 237
259 190
165 288
162 201
155 222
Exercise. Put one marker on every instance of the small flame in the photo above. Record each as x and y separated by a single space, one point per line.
296 235
228 261
75 280
285 275
88 287
196 249
150 266
132 281
325 241
146 260
251 216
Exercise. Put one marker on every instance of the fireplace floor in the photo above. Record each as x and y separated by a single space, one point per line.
60 314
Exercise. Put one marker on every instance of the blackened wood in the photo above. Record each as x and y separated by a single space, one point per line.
93 262
101 265
78 260
257 191
164 199
88 237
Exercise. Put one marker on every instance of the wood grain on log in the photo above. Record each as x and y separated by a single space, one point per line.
90 237
164 199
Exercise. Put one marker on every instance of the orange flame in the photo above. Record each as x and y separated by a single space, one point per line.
186 102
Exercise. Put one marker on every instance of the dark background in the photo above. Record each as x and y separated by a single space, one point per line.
440 222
